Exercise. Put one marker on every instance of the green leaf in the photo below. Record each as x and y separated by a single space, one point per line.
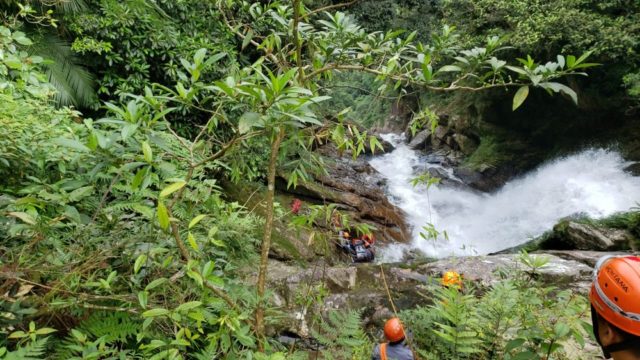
199 56
148 153
196 220
208 269
163 216
450 68
70 143
45 331
518 70
520 97
172 188
513 344
128 130
188 306
583 57
80 193
218 243
137 179
192 241
139 262
525 355
17 335
247 121
195 276
247 39
21 38
155 312
558 87
155 283
143 299
26 218
561 330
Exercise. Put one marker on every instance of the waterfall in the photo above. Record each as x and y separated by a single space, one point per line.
591 182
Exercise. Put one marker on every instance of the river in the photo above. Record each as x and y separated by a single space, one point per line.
592 182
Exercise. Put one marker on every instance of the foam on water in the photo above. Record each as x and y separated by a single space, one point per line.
592 182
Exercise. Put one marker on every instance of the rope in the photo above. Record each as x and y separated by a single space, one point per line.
384 280
395 312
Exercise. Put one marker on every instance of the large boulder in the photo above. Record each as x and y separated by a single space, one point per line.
582 236
466 144
482 269
485 177
421 141
633 169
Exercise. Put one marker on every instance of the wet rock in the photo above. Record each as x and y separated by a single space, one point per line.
421 140
440 132
450 141
482 270
573 235
485 178
459 123
634 169
466 144
289 245
362 286
355 185
589 258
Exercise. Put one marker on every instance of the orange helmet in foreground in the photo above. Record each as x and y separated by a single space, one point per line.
452 279
393 330
615 295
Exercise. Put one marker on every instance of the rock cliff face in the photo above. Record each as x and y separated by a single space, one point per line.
358 190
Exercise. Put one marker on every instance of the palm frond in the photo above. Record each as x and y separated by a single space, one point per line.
73 83
70 6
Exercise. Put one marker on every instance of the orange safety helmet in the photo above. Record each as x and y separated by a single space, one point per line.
452 279
614 296
393 330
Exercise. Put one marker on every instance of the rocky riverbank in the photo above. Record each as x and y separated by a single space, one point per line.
363 286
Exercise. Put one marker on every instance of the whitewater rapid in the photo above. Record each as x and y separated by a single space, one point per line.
592 182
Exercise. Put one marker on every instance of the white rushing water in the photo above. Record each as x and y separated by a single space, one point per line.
592 182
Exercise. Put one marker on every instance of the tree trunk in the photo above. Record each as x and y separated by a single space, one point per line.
266 240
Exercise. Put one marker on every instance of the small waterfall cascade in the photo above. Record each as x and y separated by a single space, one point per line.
592 182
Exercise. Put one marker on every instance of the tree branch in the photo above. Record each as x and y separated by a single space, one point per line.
296 39
243 36
330 7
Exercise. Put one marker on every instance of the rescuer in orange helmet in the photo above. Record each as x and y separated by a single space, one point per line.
615 306
396 348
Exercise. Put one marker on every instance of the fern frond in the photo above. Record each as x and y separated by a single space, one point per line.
32 351
112 326
458 324
342 333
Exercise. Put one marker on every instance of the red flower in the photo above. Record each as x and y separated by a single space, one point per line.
296 204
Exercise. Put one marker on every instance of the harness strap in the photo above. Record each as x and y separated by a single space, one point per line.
383 351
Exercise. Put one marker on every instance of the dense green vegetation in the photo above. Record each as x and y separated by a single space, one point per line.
117 239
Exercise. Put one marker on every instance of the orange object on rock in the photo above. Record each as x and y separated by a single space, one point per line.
452 279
